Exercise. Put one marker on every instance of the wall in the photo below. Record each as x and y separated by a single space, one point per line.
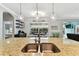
1 21
59 24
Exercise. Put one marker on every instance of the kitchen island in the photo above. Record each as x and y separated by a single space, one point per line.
13 47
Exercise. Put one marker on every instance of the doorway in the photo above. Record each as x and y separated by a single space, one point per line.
8 25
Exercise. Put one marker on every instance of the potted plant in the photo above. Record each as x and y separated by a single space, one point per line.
56 34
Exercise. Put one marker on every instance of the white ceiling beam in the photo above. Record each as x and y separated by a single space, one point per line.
8 9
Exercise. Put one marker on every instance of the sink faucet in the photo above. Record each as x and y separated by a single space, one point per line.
37 40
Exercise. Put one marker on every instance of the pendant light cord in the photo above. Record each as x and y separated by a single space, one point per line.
37 8
20 9
53 9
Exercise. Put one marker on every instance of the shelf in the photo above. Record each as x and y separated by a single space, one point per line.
19 24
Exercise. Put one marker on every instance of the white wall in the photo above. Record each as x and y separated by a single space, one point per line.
1 22
58 23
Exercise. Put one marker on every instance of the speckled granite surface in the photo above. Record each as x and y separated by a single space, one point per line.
12 47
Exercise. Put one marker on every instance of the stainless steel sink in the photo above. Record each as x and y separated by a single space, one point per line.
31 47
49 47
44 48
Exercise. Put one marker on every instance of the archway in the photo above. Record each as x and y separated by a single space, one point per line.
8 25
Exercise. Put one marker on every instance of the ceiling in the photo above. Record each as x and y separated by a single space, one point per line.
61 10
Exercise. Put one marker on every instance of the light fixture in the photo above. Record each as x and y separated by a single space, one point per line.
37 17
37 13
53 16
20 16
40 13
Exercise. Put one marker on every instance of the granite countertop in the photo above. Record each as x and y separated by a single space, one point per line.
12 47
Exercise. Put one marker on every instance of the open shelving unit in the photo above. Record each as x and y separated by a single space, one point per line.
19 24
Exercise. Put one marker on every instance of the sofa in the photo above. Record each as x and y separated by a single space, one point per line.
20 34
73 36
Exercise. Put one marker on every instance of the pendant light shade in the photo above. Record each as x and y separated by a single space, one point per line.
37 13
20 7
37 17
53 16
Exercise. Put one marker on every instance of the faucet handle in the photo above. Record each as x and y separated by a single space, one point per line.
35 40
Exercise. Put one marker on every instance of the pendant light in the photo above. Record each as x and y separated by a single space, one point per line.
38 13
37 17
20 16
53 16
